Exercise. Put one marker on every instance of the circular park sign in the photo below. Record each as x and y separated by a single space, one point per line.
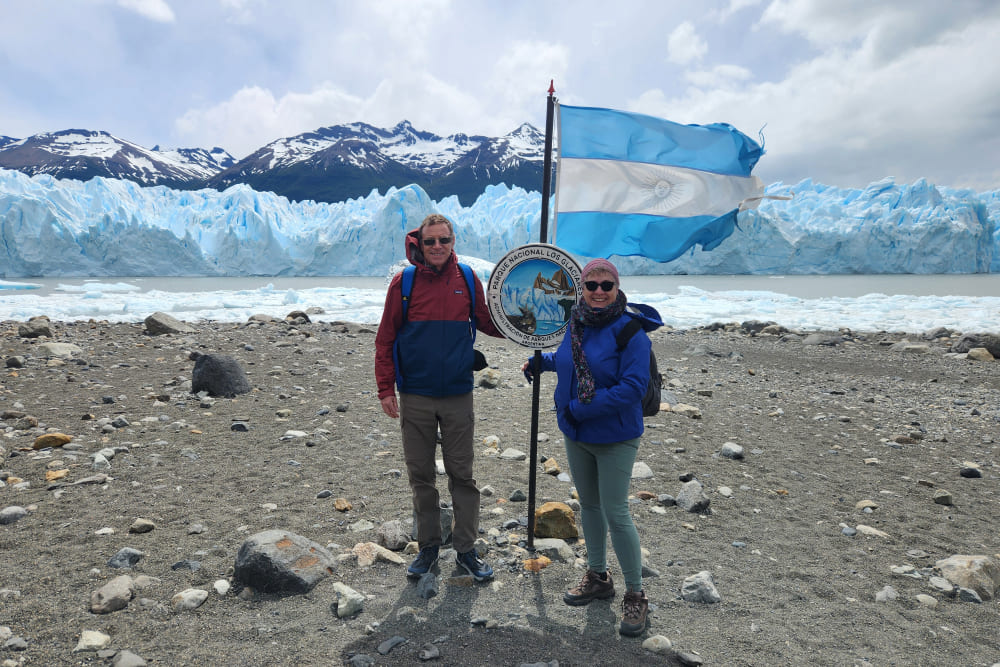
530 294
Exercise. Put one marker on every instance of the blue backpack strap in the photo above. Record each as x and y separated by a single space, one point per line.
470 283
406 287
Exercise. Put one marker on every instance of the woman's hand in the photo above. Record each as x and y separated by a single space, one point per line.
526 369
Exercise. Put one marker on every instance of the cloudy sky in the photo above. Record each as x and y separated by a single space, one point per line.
846 91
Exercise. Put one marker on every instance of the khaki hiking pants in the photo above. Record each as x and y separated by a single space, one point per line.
419 419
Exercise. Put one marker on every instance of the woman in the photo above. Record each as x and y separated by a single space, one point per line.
598 402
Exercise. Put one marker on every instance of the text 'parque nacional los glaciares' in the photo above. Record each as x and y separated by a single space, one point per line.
530 294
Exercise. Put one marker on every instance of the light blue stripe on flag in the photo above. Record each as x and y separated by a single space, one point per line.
629 184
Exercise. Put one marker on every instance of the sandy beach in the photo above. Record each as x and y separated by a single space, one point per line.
858 474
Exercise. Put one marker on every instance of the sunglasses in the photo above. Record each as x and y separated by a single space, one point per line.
605 285
444 240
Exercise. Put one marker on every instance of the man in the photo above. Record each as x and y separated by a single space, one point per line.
428 354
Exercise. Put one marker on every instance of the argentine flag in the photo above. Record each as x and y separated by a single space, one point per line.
629 184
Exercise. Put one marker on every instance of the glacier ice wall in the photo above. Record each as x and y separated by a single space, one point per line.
106 227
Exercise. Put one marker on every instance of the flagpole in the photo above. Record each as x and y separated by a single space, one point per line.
543 234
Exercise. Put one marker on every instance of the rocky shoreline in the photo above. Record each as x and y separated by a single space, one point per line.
802 501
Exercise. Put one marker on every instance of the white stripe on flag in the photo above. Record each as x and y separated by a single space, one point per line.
617 186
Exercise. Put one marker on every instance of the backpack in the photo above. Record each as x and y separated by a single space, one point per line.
406 287
651 398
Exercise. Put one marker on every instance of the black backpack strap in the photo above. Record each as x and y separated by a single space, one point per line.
631 328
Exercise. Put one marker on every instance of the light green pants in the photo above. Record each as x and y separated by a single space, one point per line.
602 474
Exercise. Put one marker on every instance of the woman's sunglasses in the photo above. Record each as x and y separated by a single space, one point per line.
444 240
605 285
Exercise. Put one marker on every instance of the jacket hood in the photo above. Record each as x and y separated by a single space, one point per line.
647 316
415 253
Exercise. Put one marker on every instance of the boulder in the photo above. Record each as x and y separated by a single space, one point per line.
36 327
161 323
554 519
978 573
282 563
218 375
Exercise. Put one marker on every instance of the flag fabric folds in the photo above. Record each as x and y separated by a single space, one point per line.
630 184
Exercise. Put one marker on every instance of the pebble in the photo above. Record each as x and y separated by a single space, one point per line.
188 599
385 647
126 557
11 514
92 640
657 644
887 594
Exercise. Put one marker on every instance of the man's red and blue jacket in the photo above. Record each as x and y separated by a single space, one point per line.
429 354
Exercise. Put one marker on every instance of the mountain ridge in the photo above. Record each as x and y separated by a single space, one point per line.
329 164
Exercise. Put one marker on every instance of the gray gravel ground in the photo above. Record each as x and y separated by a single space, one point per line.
823 427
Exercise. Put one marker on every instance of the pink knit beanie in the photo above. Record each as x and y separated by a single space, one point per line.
600 265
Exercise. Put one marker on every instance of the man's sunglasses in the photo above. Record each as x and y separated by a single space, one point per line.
605 285
444 240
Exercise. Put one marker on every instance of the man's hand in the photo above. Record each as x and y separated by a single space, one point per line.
390 407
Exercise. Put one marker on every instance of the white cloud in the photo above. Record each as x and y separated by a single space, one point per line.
733 7
520 79
253 117
851 116
720 75
154 10
685 45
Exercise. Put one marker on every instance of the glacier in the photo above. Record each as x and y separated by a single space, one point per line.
106 227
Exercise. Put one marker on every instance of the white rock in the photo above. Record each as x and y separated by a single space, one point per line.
871 532
100 463
349 601
640 470
657 644
92 640
731 450
887 594
221 586
188 599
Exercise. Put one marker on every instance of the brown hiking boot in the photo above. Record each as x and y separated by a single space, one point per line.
591 587
635 614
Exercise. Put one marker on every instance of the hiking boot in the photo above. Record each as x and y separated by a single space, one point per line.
424 561
635 614
475 565
592 587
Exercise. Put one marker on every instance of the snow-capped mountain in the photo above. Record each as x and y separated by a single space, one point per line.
84 154
342 162
330 164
